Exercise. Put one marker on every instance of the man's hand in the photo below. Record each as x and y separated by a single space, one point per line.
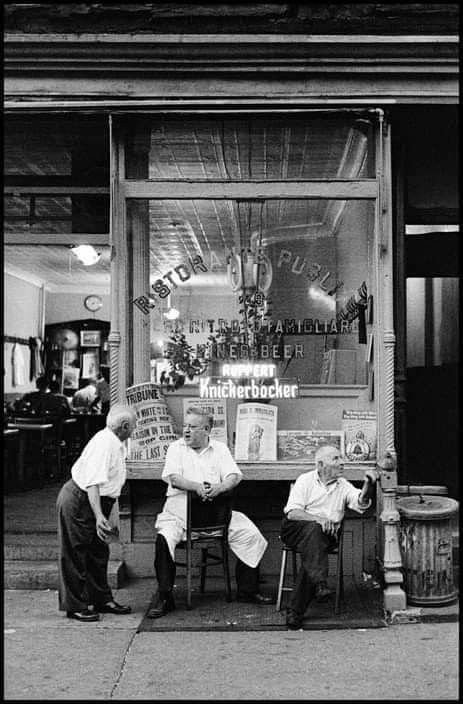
213 490
328 526
201 490
371 475
103 529
369 481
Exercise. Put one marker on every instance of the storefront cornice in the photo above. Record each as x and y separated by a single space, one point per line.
218 53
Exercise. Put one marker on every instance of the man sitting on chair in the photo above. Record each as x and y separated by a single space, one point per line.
196 463
313 515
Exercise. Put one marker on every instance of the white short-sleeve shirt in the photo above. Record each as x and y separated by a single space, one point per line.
310 494
102 462
213 465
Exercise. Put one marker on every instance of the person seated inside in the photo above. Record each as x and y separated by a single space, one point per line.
39 403
313 515
85 398
103 390
64 401
197 463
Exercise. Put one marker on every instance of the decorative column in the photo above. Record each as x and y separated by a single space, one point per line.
119 274
389 525
138 226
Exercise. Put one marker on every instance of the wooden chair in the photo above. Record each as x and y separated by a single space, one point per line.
206 526
338 550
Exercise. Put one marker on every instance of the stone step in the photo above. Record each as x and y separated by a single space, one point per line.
30 546
43 574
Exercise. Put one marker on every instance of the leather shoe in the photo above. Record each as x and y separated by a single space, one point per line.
86 616
323 593
293 620
256 598
113 608
162 607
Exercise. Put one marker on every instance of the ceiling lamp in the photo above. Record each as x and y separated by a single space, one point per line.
86 254
171 313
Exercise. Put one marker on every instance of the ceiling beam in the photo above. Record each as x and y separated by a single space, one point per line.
56 238
50 190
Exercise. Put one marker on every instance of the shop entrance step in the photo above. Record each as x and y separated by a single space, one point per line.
43 574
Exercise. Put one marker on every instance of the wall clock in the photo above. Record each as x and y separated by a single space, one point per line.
93 303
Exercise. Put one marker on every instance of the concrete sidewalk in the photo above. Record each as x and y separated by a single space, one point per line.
48 656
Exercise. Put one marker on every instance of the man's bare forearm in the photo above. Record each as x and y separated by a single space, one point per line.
297 514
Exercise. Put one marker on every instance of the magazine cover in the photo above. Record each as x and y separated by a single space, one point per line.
359 435
218 409
154 430
302 444
256 432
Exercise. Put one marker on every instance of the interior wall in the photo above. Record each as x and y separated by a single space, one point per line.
22 318
61 307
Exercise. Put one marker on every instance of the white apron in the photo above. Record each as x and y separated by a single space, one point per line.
244 538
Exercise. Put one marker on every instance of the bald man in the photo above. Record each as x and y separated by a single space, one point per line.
84 504
313 515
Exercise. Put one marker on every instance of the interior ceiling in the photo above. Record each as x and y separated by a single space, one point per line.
230 149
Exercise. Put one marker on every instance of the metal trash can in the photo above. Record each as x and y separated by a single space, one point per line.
426 545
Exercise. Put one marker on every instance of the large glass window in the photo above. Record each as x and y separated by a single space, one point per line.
283 281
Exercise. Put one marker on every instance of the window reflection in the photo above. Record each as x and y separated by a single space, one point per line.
280 281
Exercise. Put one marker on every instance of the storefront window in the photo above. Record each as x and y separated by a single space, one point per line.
285 282
319 146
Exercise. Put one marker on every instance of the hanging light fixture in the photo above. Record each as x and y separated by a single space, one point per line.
171 313
86 254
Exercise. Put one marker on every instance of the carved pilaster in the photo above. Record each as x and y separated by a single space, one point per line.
114 342
394 596
388 390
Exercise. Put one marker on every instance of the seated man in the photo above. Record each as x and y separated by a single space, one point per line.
196 463
84 398
40 402
313 514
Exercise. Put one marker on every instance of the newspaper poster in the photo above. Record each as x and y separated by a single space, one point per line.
360 435
302 444
154 431
256 432
219 411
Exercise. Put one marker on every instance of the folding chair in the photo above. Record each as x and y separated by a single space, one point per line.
206 526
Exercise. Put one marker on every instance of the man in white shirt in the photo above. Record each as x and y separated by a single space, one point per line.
197 463
313 515
84 504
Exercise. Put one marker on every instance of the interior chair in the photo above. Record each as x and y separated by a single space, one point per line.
53 450
338 550
206 526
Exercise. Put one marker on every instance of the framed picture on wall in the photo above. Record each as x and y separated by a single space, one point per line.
90 364
90 338
71 378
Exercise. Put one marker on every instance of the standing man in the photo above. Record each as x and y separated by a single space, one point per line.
84 504
313 515
197 463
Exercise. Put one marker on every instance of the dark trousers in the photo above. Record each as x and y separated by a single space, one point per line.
247 578
83 557
314 545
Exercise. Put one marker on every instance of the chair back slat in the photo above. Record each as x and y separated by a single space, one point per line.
208 515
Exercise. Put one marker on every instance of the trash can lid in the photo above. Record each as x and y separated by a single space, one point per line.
427 507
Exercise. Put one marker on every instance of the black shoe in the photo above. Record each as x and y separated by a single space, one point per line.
293 620
162 607
255 598
84 615
323 593
117 609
